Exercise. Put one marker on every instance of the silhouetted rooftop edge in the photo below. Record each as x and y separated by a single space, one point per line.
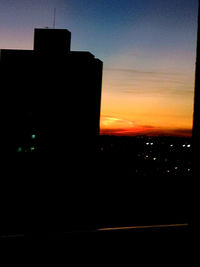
43 43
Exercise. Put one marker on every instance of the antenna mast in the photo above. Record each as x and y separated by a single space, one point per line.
54 18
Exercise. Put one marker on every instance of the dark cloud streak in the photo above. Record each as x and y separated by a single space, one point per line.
149 131
142 72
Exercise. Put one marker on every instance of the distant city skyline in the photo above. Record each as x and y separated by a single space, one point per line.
148 48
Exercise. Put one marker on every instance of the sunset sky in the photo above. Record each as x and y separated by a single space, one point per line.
148 48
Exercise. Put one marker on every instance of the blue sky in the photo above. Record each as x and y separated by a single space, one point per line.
103 26
148 48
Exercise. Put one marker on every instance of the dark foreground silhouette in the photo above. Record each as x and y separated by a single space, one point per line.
55 177
46 200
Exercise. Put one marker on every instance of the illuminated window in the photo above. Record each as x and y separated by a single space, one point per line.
33 136
19 149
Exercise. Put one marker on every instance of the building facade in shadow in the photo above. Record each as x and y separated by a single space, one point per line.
50 112
51 97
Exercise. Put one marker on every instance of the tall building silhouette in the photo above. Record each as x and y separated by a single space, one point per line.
51 96
50 111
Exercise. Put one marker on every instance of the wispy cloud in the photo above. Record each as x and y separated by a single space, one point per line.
149 131
142 72
111 125
133 81
109 121
159 91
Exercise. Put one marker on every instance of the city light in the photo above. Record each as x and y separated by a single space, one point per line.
162 158
19 149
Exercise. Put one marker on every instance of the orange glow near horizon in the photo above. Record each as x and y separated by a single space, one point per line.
147 103
114 126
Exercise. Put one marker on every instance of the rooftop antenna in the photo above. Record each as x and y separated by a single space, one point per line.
54 18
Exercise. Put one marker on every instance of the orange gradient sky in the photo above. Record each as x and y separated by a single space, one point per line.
148 48
151 103
149 94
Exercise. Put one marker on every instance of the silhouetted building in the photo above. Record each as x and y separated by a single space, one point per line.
49 116
51 97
